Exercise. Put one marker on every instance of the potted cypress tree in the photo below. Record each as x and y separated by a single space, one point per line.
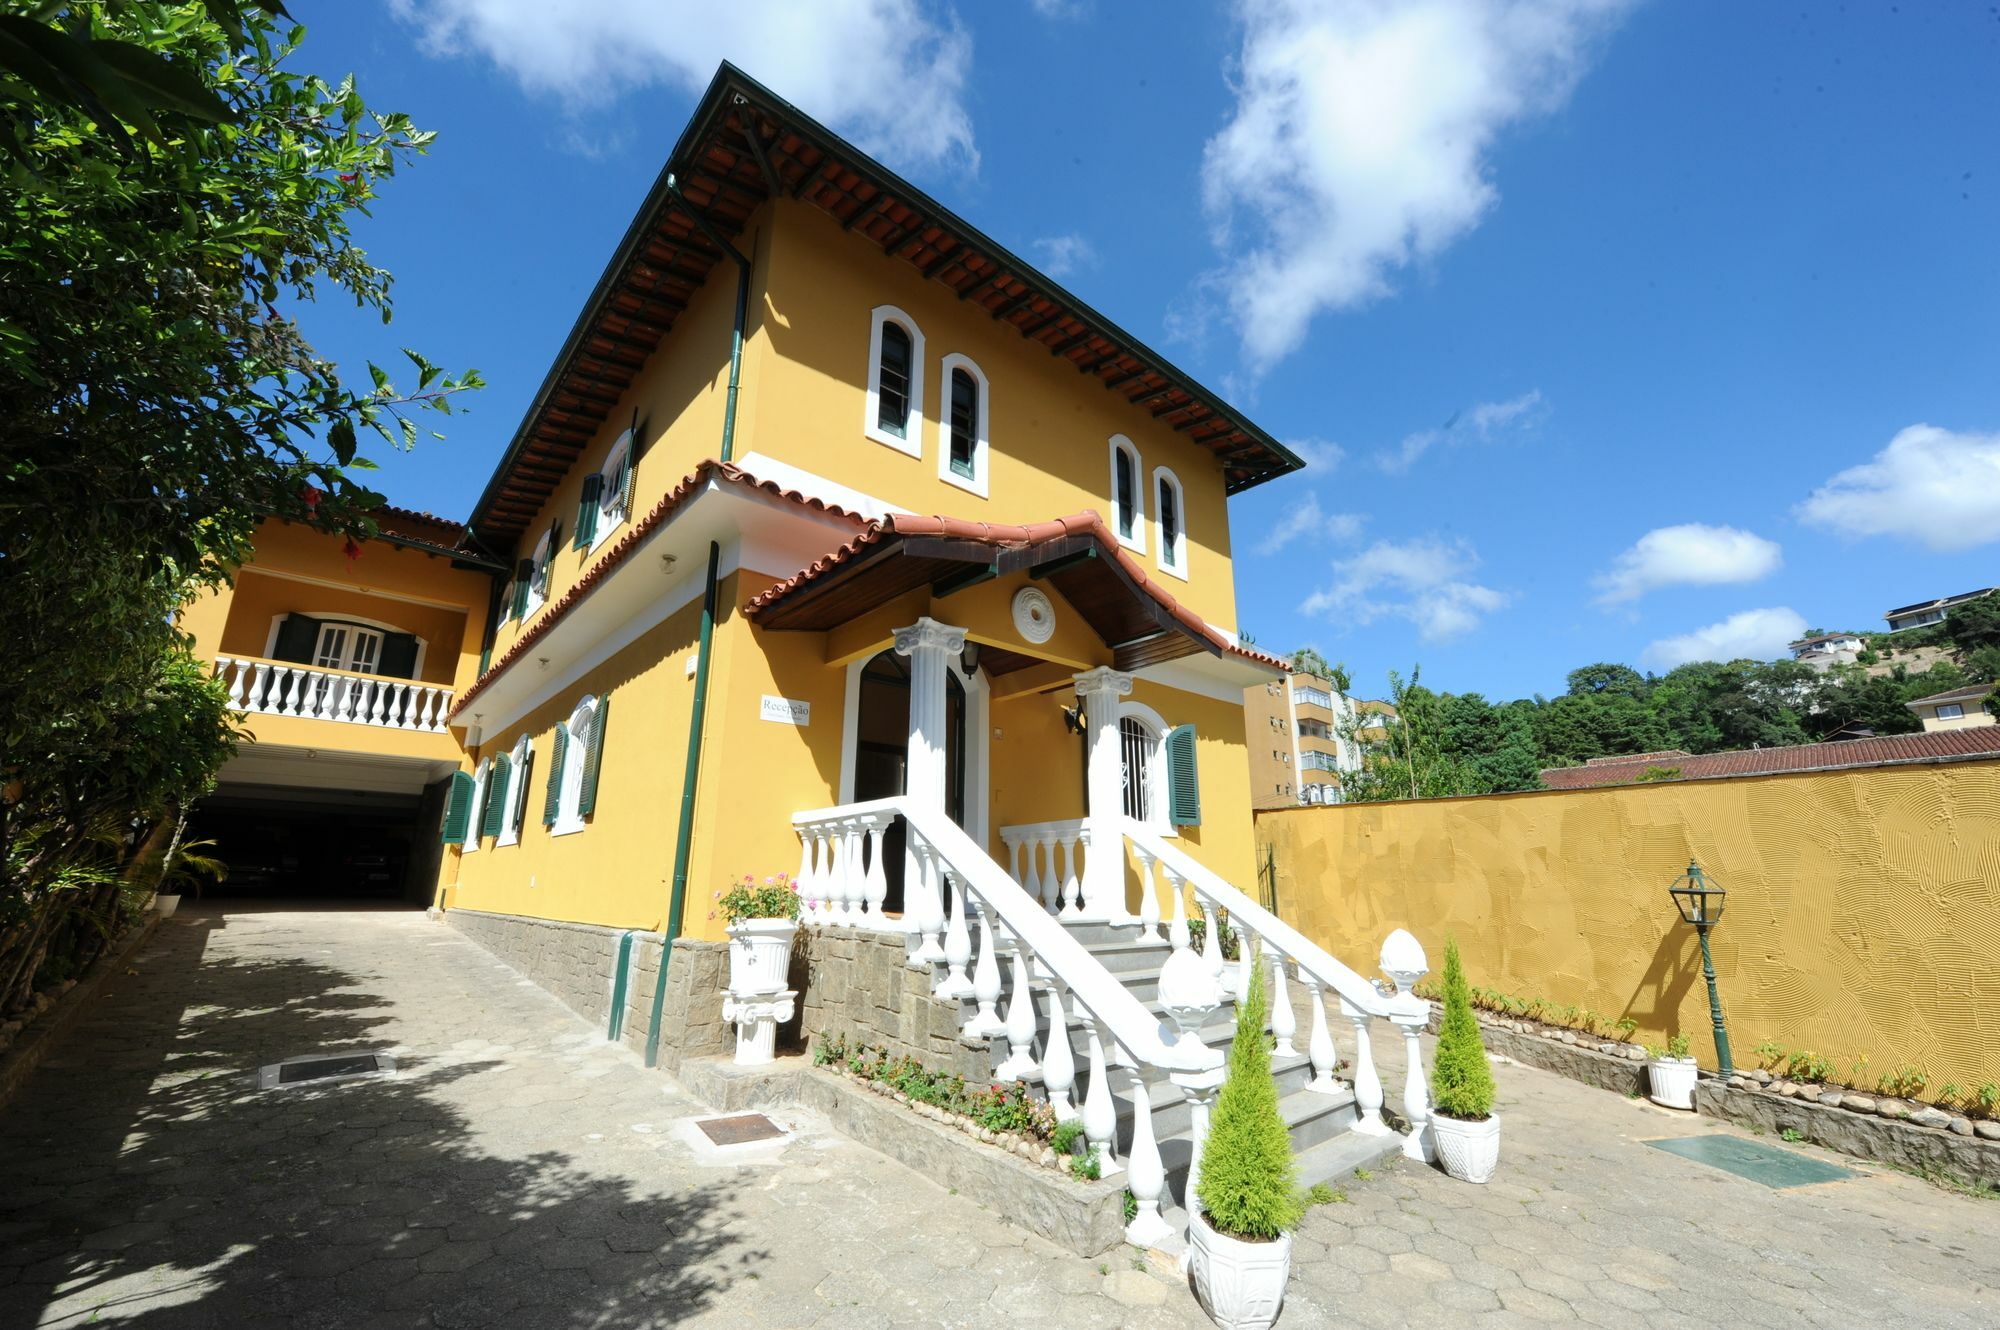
1246 1203
1462 1117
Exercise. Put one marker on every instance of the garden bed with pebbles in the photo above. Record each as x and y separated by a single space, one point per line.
1859 1101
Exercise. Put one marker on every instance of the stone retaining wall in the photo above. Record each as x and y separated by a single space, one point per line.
859 986
1931 1148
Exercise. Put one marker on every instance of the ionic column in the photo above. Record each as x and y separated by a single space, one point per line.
931 646
1104 793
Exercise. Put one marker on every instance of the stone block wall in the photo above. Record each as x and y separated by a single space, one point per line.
858 986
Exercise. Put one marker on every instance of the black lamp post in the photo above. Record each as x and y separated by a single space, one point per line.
1699 899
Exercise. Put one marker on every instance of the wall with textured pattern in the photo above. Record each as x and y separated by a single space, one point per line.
1863 913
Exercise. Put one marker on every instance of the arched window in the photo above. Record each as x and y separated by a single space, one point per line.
518 767
1169 511
538 573
607 497
895 381
482 779
1128 505
576 755
1138 748
962 456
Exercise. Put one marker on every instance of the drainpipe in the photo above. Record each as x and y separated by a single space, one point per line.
684 843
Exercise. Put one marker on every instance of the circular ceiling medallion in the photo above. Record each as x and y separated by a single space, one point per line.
1034 615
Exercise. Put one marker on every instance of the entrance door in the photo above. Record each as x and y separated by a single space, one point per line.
882 753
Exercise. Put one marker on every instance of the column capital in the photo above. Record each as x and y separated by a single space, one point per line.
929 633
1103 680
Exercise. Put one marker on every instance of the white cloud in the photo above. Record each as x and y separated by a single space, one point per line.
889 73
1751 635
1065 254
1935 486
1317 452
1688 555
1475 424
1360 139
1060 8
1305 520
1426 581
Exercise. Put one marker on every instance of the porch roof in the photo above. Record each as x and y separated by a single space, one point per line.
1077 556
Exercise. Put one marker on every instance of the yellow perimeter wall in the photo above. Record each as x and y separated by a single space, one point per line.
1863 913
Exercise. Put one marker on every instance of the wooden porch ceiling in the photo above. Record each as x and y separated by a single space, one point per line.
745 147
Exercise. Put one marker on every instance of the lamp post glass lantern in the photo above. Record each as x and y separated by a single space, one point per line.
1699 898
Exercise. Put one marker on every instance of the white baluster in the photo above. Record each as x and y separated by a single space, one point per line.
957 943
1100 1111
1013 840
822 889
1058 1058
290 684
1051 881
440 723
853 893
406 705
1284 1021
1179 934
986 1021
1246 960
236 670
930 906
253 698
1418 1145
1020 1061
1033 886
378 709
1072 893
1200 1090
808 902
1149 899
1367 1085
1145 1174
1211 941
1319 1047
876 888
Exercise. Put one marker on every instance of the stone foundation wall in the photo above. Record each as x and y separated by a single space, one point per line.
858 986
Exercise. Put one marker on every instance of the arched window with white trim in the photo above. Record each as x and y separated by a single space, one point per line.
1142 734
1128 498
538 573
895 380
576 755
518 767
606 502
962 450
1170 512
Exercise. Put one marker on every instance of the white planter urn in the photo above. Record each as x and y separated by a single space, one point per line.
165 905
1241 1285
760 956
1469 1151
1673 1082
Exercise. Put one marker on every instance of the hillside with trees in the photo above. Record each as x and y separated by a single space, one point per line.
1463 743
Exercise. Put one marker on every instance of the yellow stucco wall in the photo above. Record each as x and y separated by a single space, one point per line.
1863 913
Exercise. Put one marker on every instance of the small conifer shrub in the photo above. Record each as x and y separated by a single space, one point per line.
1248 1188
1461 1079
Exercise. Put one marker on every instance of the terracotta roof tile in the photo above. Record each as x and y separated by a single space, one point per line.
1940 745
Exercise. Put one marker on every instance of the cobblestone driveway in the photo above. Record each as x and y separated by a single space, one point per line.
519 1171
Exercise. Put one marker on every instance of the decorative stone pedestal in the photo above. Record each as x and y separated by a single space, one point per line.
756 1020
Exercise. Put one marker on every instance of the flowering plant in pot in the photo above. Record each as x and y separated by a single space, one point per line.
763 918
1240 1229
1672 1073
1463 1120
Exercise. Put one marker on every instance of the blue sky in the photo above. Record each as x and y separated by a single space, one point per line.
1636 332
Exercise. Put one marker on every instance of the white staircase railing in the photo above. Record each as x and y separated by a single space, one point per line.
1059 890
843 887
285 688
1265 938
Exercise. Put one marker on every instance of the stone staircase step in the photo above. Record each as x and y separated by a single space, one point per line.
1334 1159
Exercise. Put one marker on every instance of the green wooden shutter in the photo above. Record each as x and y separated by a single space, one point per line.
1183 786
552 801
586 802
507 601
523 575
586 511
628 478
555 541
457 809
496 797
298 635
517 811
485 660
399 656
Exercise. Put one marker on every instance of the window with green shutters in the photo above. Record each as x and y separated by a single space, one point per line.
552 798
586 800
524 574
496 797
1183 784
457 809
586 511
519 765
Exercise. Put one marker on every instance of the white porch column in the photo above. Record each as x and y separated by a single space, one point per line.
930 645
1104 793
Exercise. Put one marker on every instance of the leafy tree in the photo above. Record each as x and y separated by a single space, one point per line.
1576 727
170 184
1248 1186
1308 661
1602 679
1975 624
1461 1077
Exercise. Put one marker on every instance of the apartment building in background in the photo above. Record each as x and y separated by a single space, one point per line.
1300 731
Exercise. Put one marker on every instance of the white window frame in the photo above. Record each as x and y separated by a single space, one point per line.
332 616
609 496
913 443
1137 540
515 805
1950 711
480 775
1158 815
541 569
1173 560
576 755
977 483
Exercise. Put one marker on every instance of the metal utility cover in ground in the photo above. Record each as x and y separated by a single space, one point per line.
1753 1160
322 1068
740 1130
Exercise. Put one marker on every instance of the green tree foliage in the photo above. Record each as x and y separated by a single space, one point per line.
172 187
1974 624
1461 1078
1308 661
1248 1187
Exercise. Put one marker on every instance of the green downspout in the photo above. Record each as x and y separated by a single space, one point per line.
684 844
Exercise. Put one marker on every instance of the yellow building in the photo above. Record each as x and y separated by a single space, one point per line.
722 594
1301 733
